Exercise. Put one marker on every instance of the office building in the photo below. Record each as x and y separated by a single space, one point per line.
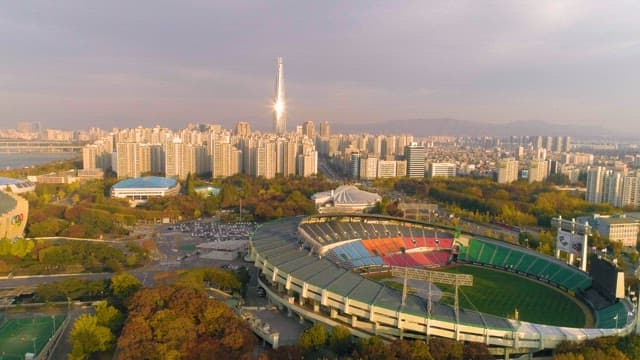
414 155
442 170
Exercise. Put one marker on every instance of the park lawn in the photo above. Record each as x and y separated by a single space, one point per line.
501 293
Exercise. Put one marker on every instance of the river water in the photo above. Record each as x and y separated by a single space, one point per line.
20 160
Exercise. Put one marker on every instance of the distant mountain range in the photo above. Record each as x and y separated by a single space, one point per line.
455 127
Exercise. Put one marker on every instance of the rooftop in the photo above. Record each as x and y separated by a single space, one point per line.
347 195
147 182
4 181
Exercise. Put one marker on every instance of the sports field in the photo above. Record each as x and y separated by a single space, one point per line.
501 293
20 336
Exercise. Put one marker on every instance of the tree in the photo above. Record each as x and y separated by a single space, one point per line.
181 322
411 350
109 316
373 348
313 338
87 337
476 351
445 349
340 340
124 285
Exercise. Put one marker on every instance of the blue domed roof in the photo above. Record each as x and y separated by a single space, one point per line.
147 182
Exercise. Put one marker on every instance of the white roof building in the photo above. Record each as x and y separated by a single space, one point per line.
346 198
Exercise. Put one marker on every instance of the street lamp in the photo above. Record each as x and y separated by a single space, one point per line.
34 345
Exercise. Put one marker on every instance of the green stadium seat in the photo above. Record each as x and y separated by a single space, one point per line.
500 256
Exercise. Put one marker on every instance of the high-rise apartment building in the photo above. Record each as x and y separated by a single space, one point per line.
414 155
595 183
369 168
128 162
507 170
243 128
538 170
309 129
279 103
325 129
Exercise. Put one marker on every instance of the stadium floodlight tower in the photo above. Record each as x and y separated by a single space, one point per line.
433 277
572 239
279 103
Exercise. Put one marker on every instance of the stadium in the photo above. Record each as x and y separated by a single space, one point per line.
340 269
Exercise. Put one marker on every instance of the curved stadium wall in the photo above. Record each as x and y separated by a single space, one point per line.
14 211
298 277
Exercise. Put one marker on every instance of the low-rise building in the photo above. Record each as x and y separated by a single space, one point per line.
139 190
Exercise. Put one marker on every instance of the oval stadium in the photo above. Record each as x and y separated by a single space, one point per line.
370 272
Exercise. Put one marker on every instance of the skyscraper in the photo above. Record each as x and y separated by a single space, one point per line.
279 103
414 155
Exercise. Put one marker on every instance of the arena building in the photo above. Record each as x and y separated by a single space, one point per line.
16 186
14 211
139 190
346 198
313 267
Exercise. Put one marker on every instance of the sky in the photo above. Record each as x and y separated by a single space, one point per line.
76 64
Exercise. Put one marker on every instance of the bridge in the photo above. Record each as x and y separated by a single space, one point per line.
38 146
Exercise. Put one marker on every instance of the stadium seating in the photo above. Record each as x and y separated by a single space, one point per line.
526 261
612 316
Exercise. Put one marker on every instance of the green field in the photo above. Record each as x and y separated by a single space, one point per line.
20 336
187 248
500 293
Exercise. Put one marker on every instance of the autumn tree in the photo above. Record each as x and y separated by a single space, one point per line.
373 348
88 337
124 285
109 316
313 338
340 340
182 322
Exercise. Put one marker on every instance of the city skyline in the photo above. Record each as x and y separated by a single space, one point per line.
111 65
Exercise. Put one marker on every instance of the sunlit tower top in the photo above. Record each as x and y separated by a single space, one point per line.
279 103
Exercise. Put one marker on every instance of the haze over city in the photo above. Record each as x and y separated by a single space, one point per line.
120 63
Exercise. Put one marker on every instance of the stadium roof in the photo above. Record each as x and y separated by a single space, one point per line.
4 181
278 244
7 203
146 182
347 195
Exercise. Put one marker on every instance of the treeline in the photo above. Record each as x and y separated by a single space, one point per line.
177 321
87 211
338 343
603 348
27 256
518 203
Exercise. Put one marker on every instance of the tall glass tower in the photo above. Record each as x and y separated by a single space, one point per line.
279 104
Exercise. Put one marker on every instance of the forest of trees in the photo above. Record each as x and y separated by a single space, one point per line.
27 256
519 203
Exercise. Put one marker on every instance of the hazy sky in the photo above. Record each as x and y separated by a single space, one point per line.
75 64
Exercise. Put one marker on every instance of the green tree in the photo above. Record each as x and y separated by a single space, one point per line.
124 285
340 340
411 350
313 338
373 348
109 316
87 337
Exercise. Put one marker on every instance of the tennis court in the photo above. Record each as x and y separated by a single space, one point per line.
27 335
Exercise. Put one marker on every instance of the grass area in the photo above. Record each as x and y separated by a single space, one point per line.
501 293
20 336
187 248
